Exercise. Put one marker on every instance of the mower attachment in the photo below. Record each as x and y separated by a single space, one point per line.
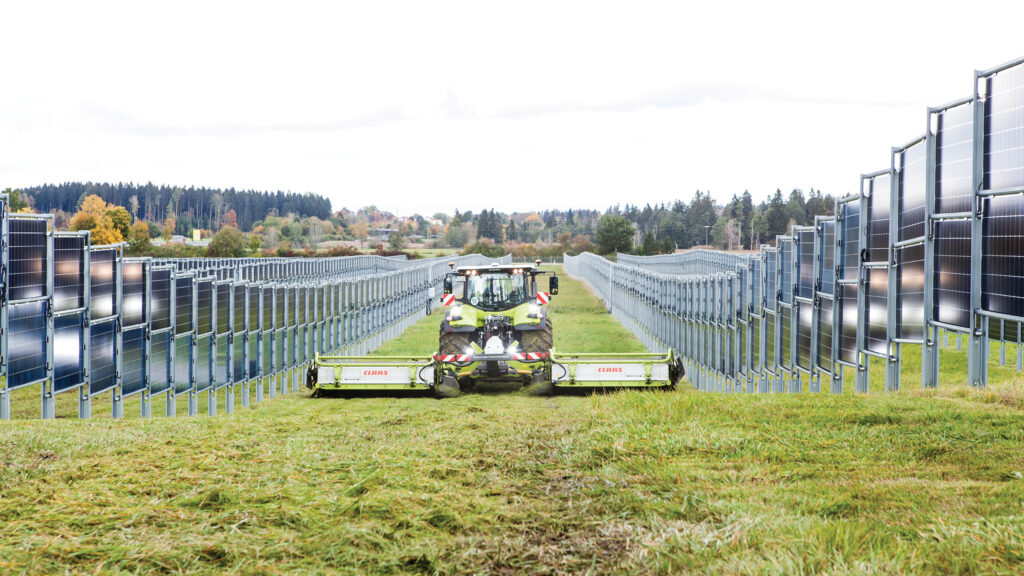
396 373
617 370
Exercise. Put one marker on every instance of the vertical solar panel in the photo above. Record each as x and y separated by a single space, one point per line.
240 311
103 370
238 359
254 308
204 297
282 350
221 370
848 324
755 287
281 314
27 259
133 374
161 299
743 349
952 271
827 272
786 318
910 292
160 362
771 342
133 293
878 219
67 352
786 269
223 308
268 354
204 366
850 241
254 356
102 284
26 345
825 308
182 365
771 272
1002 265
954 159
755 343
805 317
68 273
1004 129
911 191
805 281
183 305
876 299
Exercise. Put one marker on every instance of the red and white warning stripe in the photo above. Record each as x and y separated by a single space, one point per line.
529 355
448 299
543 297
452 357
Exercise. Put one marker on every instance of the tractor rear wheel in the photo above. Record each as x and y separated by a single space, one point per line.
453 343
537 340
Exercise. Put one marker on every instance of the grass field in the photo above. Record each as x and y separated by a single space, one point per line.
513 483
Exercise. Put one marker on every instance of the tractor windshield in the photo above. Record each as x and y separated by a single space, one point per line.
495 291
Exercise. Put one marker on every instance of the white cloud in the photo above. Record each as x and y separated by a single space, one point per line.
432 106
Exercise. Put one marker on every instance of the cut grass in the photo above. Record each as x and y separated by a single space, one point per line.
630 482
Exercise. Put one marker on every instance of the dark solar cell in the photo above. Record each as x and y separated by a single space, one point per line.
910 292
268 353
204 313
183 313
102 284
850 241
133 379
805 282
223 308
954 159
238 359
67 351
204 368
1004 129
159 364
27 258
133 292
878 223
912 177
68 273
825 308
26 344
161 299
875 307
1002 266
240 312
182 365
223 350
254 308
848 322
254 356
952 282
103 368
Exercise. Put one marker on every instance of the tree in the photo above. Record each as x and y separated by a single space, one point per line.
231 219
139 241
395 240
120 219
650 246
168 228
15 201
254 243
105 233
360 230
228 242
614 234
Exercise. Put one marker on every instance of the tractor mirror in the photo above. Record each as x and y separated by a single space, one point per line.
553 285
448 285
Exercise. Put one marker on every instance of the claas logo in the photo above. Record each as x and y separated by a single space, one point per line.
604 370
375 372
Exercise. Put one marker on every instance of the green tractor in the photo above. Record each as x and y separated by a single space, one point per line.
497 327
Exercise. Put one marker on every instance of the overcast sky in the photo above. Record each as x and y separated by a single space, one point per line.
427 106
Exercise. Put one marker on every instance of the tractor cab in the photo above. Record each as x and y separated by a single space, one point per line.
498 287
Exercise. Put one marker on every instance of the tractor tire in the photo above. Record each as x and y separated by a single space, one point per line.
537 340
453 343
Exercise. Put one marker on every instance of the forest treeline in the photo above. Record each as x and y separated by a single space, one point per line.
191 208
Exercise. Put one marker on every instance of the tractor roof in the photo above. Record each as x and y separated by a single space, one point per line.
496 267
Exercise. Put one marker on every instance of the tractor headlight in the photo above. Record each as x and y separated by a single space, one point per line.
534 311
456 313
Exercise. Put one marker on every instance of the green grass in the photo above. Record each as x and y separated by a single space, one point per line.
629 482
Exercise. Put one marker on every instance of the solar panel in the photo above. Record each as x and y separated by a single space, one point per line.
282 350
952 280
1004 129
755 287
825 308
159 362
238 359
182 365
204 313
67 352
26 344
240 311
910 292
786 317
954 159
743 349
878 218
1002 276
183 316
805 281
161 299
755 343
911 182
850 241
133 345
876 297
771 272
102 284
786 269
103 368
133 293
254 308
281 313
68 273
204 366
826 266
221 370
805 319
223 292
268 353
254 356
27 259
848 323
771 344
